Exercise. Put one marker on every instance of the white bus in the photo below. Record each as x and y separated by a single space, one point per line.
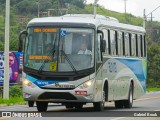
78 59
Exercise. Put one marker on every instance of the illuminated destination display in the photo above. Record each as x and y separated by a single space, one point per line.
39 57
37 30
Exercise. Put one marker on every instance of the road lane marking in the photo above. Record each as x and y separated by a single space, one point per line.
118 118
2 118
156 110
141 99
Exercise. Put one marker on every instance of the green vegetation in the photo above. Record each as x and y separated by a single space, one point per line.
153 65
153 89
24 10
128 19
12 101
15 93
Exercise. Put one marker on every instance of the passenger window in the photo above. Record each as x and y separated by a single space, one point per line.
139 46
126 37
109 43
130 45
113 42
105 31
144 41
120 43
142 45
123 42
133 44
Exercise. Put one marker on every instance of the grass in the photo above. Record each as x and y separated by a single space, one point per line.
153 89
12 101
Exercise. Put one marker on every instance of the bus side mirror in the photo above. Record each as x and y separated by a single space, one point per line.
22 37
103 45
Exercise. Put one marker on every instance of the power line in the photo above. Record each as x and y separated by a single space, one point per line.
153 11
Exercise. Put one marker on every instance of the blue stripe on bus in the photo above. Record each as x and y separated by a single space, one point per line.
41 83
137 67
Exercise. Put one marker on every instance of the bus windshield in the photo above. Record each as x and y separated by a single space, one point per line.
53 49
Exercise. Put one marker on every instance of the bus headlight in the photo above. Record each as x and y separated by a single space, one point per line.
28 83
86 84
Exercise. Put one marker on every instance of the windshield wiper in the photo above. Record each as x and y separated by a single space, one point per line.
51 52
71 64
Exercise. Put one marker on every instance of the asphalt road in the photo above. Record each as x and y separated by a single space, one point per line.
147 107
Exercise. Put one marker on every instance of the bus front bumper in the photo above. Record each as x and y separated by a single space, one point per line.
58 96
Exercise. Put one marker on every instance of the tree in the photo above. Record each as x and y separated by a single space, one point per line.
153 64
26 7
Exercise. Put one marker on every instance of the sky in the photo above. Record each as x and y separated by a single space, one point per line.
135 7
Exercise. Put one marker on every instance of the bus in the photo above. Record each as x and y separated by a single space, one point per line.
112 68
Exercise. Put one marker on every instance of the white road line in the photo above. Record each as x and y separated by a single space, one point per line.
119 118
156 110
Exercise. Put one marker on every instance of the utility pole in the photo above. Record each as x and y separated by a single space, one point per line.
151 13
144 18
125 6
58 7
38 8
125 9
6 53
95 8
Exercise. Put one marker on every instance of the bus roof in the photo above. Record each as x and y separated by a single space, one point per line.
98 20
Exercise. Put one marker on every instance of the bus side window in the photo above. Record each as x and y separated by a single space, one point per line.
139 46
142 45
137 49
123 42
120 43
105 31
98 53
116 37
113 42
109 43
126 37
133 44
130 44
144 41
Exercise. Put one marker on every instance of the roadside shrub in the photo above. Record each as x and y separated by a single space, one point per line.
15 91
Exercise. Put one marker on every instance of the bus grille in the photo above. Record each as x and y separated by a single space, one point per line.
57 95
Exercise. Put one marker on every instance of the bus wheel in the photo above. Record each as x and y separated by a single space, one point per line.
99 106
119 104
42 106
128 103
30 103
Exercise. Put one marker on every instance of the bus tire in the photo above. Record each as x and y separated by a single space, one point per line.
41 106
99 106
119 104
128 103
30 103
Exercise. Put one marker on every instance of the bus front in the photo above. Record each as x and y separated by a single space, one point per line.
59 65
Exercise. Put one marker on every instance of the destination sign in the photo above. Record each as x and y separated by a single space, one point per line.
39 57
45 30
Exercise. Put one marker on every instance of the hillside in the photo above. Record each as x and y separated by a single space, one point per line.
20 15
